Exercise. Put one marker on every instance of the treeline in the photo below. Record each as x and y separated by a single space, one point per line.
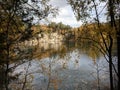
87 31
51 27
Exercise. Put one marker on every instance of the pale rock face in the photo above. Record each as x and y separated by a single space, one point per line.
51 38
46 41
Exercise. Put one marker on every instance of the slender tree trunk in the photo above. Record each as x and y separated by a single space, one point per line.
109 49
49 78
7 66
111 2
110 63
118 54
25 79
6 76
7 55
98 77
110 70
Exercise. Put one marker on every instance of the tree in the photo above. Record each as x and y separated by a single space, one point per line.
114 13
82 11
16 19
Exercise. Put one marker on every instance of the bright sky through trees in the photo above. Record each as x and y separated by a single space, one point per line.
66 15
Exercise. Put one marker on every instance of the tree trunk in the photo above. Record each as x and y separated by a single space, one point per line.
118 54
110 62
110 70
6 77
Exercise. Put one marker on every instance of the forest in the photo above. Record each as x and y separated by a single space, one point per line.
57 56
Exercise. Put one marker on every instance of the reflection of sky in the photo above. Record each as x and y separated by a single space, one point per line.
73 73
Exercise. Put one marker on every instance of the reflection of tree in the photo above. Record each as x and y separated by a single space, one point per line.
51 67
49 71
104 44
82 11
16 18
100 74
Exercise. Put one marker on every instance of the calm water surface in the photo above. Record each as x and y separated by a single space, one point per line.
62 67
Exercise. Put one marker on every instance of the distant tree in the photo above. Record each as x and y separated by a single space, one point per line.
58 26
52 25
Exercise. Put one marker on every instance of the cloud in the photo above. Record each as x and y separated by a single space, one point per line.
58 3
66 15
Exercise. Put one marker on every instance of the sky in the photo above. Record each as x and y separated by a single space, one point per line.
67 17
65 14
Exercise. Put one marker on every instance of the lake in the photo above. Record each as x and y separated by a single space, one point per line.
63 66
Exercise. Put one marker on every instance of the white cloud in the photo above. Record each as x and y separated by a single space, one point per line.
66 15
58 3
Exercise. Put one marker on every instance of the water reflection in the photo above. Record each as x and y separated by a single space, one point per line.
62 67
